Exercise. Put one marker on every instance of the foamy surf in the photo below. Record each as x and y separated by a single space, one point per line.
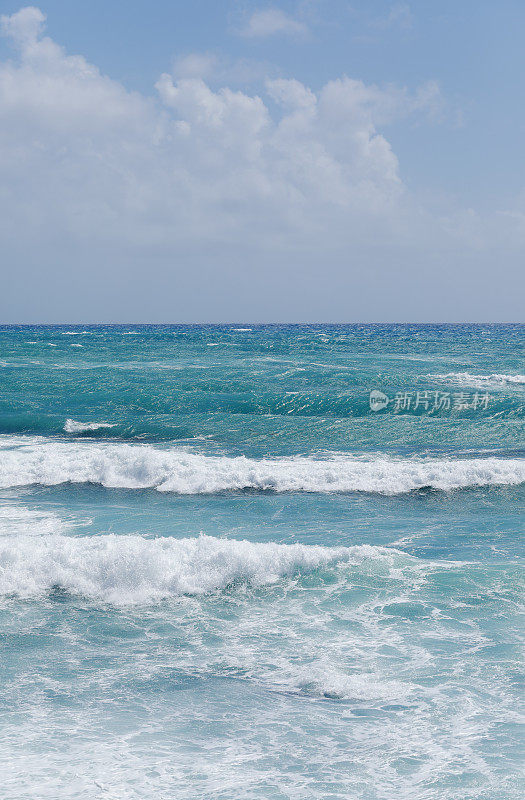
480 381
16 520
132 569
169 470
128 641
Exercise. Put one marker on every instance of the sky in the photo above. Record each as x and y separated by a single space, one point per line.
302 161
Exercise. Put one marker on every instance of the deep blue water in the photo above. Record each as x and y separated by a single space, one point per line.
223 575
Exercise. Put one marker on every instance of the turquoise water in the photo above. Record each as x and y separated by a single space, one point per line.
223 575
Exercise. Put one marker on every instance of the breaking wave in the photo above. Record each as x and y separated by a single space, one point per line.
132 569
169 470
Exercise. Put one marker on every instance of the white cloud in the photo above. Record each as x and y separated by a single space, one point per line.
272 21
198 161
219 70
91 173
24 27
399 15
195 65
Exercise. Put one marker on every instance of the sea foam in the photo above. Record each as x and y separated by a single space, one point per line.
133 569
480 381
47 462
16 520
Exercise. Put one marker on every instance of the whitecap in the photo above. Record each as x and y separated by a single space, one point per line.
71 426
174 470
132 569
495 379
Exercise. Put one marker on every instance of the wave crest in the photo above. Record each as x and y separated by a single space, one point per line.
168 470
132 569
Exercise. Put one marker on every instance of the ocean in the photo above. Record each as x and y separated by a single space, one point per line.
227 572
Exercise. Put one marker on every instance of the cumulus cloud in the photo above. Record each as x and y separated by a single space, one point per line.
272 21
196 160
24 27
275 182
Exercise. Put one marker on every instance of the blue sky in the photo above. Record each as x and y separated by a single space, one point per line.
296 161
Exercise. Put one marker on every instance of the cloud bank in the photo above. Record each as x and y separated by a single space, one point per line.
209 187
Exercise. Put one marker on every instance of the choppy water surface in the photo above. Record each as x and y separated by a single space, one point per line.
222 575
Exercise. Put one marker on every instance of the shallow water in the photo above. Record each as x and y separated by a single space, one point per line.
224 576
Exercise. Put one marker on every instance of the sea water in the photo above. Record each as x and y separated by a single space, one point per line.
224 575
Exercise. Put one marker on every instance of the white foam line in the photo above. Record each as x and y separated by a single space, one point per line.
479 381
173 470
